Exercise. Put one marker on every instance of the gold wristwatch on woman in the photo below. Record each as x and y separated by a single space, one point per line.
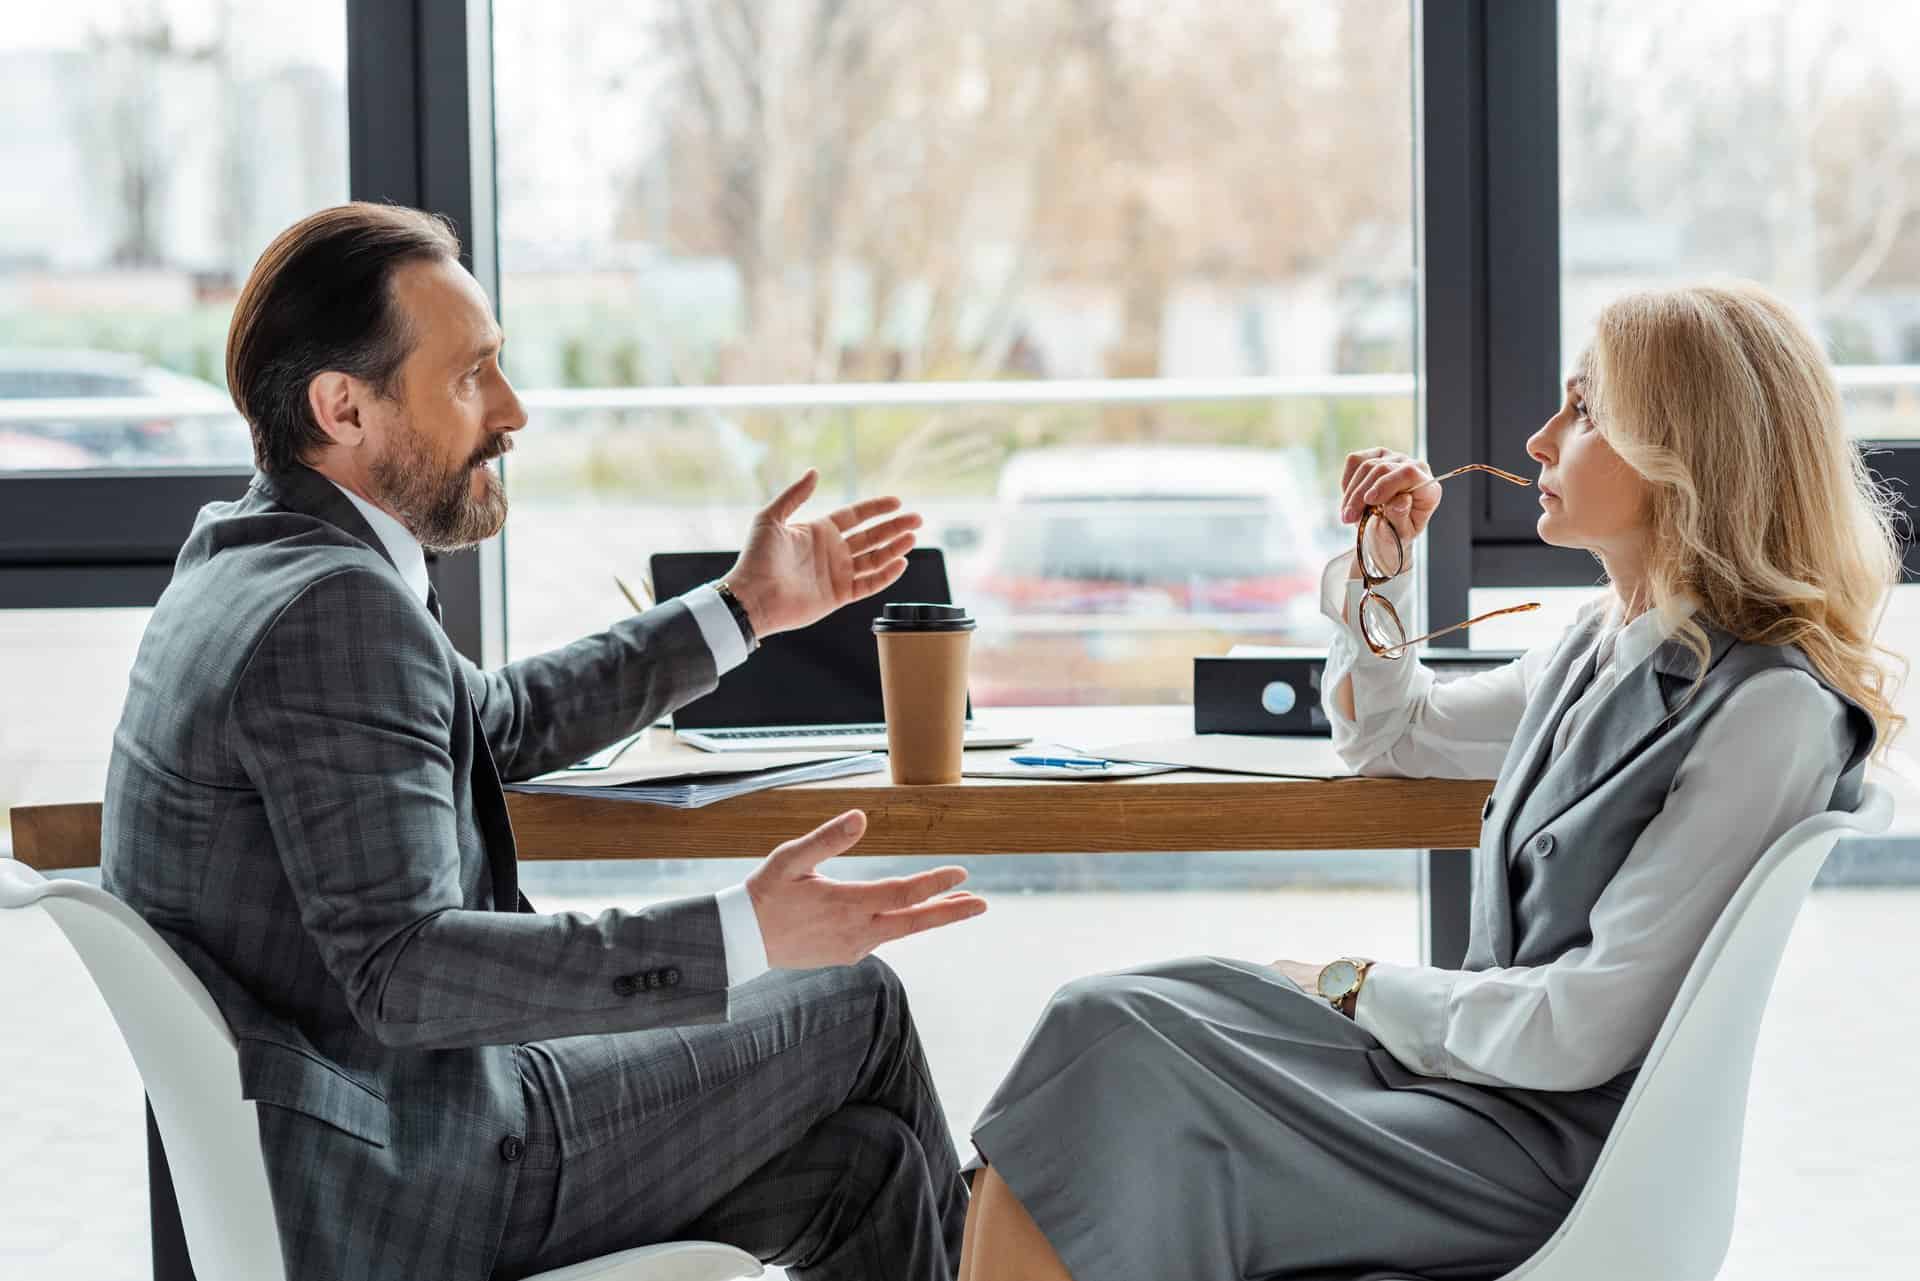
1340 982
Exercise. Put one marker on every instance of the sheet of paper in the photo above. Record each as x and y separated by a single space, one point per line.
667 767
692 793
1272 755
998 762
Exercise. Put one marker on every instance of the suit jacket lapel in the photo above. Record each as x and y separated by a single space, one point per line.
1631 714
1524 766
1572 669
304 490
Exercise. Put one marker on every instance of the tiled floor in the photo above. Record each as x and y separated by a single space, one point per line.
1833 1151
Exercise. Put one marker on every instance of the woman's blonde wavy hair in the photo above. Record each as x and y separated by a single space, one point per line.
1760 508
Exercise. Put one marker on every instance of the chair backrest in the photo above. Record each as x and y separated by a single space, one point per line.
190 1067
1659 1204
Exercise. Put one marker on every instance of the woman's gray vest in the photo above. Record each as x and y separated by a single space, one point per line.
1554 832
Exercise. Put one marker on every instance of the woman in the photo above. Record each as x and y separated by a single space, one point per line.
1218 1119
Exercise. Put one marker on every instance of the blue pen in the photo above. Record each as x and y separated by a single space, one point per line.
1062 762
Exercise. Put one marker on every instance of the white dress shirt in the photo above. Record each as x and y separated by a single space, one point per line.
739 927
1766 760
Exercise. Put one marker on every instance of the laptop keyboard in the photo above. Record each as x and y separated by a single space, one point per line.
826 731
827 738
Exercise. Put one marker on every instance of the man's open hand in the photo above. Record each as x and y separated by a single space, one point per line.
792 573
809 920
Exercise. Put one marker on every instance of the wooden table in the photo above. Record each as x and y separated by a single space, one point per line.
1167 812
1185 811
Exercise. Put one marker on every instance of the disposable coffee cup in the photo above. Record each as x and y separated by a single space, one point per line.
923 686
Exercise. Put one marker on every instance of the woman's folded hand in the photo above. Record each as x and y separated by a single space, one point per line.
1305 977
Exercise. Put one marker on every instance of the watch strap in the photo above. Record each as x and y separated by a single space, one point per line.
739 612
1347 1003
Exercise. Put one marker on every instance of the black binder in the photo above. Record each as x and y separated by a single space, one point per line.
1280 693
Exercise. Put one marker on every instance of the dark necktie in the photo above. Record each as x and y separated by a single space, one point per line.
490 802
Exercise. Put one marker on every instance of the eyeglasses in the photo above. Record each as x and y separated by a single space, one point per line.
1380 624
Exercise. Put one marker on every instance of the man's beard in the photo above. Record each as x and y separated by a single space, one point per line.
436 505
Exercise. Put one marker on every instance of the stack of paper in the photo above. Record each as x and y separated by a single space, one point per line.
688 782
1272 755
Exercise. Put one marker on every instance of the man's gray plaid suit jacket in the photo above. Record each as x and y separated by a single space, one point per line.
303 802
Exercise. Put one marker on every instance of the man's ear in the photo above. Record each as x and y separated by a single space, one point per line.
334 399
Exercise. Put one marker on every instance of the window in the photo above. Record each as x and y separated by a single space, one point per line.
166 143
1774 141
152 148
63 679
1107 291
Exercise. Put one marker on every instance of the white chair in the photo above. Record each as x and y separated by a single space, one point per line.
191 1069
1659 1204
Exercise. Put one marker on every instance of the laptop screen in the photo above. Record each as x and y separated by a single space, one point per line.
826 674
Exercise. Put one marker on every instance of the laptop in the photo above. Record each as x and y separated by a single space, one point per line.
814 689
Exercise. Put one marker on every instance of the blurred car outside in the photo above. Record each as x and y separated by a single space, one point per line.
1105 569
190 423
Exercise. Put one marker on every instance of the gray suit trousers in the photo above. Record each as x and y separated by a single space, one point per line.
804 1130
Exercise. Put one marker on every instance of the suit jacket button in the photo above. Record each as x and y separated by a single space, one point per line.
626 985
670 976
1486 811
1543 844
653 980
512 1148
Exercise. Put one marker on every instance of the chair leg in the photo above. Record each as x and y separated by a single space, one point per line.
170 1261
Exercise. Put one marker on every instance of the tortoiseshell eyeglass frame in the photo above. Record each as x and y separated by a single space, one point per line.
1370 581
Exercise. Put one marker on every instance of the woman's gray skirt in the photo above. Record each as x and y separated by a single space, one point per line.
1207 1119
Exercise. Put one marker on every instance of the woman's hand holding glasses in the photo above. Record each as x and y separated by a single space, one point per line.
1400 487
1392 497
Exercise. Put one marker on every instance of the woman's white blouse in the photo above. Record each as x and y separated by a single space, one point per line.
1767 759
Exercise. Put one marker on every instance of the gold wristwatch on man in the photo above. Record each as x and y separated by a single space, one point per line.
1340 982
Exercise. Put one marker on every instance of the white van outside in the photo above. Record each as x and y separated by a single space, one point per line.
1104 569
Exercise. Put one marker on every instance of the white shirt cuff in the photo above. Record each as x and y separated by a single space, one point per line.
1340 596
1333 586
1404 1007
1383 689
740 930
717 627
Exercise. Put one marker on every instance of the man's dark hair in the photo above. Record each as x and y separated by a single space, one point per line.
320 299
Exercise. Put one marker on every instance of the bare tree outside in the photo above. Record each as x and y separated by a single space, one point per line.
890 181
1782 146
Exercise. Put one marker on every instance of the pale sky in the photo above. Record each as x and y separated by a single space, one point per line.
267 31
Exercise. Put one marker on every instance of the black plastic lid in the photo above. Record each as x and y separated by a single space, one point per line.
914 617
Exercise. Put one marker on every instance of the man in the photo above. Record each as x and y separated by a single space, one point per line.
305 800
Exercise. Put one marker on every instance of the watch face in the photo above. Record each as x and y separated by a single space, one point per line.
1338 979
